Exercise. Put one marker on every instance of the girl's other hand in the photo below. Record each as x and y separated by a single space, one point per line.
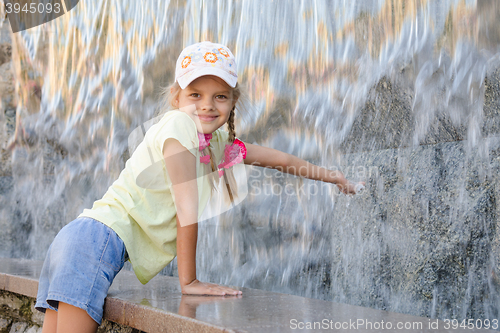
203 288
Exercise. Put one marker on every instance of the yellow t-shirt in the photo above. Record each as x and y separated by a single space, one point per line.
139 205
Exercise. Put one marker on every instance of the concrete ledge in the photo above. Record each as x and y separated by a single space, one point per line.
159 306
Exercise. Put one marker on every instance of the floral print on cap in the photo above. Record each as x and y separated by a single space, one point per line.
224 52
210 57
206 58
186 61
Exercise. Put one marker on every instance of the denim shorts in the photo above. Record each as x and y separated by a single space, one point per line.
80 266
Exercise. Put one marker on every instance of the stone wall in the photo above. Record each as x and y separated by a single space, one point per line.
7 100
18 315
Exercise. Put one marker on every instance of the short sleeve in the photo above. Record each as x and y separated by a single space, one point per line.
176 125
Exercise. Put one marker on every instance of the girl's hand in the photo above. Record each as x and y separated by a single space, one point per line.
203 288
351 188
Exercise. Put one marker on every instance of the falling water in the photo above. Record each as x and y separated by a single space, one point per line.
401 94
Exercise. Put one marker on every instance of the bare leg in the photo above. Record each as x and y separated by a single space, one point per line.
50 322
71 319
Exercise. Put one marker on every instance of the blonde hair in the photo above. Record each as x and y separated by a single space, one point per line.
168 96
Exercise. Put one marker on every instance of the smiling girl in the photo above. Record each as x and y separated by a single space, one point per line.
150 222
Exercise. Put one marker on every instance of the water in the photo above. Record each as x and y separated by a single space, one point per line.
400 94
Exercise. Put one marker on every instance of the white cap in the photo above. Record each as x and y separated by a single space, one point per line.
205 58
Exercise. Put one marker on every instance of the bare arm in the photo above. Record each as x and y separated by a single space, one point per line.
181 168
275 159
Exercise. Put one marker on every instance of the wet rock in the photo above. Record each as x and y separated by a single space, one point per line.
11 301
19 315
491 108
37 316
5 53
34 329
422 240
7 99
4 324
5 162
436 209
7 105
110 327
388 118
18 328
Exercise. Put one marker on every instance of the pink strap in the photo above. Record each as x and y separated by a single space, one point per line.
204 140
233 154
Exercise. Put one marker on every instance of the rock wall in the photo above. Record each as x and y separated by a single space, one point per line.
7 100
18 315
424 240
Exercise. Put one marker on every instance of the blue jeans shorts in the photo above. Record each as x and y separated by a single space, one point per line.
80 266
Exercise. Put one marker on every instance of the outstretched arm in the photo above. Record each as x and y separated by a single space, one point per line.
275 159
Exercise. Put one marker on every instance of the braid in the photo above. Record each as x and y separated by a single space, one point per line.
212 163
232 136
230 125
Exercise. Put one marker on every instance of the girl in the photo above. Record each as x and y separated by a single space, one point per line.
150 213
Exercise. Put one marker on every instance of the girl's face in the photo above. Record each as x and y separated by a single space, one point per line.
208 100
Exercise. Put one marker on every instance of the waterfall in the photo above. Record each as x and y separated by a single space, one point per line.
401 94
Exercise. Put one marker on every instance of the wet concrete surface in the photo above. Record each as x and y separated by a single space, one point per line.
159 306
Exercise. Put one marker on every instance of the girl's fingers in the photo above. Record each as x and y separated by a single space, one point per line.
211 289
227 291
353 188
224 289
359 188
